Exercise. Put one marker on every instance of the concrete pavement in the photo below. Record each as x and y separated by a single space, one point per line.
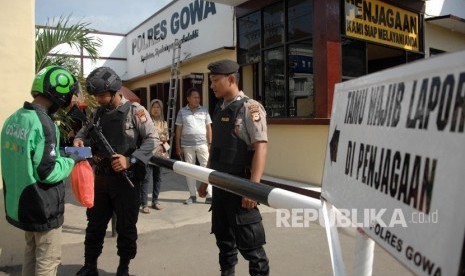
177 241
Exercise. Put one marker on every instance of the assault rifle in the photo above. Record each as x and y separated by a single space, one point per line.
96 135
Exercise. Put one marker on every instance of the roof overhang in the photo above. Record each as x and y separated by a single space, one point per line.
451 22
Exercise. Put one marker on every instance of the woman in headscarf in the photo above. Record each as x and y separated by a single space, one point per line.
153 172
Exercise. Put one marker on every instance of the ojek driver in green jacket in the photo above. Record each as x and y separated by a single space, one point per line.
33 170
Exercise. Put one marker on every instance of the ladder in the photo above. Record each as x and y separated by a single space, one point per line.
173 89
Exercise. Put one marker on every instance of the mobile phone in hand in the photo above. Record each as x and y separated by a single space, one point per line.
81 152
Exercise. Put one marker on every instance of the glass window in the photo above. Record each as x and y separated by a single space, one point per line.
299 19
300 80
282 71
273 21
353 58
249 38
275 94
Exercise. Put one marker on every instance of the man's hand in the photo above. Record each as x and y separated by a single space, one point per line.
120 163
247 203
202 190
78 142
180 153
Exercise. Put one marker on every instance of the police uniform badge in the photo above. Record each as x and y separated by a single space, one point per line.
254 110
141 116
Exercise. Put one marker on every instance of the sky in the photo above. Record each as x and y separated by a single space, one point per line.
115 16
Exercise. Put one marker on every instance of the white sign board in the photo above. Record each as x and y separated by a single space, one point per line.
395 161
202 27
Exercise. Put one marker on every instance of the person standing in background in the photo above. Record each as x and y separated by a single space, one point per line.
193 138
33 170
153 172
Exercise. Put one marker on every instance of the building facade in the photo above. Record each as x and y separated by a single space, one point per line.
291 52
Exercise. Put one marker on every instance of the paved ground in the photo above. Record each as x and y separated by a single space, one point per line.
177 241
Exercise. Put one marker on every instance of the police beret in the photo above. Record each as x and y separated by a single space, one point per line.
223 67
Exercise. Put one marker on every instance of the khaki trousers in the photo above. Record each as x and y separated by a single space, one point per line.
190 155
42 254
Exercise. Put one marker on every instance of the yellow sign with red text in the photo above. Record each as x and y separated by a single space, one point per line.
376 21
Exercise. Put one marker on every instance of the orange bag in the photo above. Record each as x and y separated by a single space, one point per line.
82 183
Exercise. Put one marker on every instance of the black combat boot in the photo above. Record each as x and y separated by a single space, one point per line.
228 271
123 267
89 269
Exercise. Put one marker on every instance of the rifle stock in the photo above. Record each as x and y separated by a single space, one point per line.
97 136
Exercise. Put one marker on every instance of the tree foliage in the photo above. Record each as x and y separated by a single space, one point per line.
54 34
50 40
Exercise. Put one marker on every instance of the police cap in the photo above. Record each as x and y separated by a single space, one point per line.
223 67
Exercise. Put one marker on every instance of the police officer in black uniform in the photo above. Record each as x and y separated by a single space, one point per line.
238 147
128 128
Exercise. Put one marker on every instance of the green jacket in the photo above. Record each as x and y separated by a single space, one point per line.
33 170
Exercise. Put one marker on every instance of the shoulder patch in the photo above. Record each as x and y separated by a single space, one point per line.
141 116
254 110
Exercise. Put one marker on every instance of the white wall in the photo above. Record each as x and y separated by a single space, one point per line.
445 7
112 53
16 75
441 38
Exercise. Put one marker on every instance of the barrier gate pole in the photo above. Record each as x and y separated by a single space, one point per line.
333 239
364 252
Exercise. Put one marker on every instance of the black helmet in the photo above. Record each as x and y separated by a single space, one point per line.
101 80
56 84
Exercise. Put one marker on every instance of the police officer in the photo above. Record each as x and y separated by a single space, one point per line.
239 146
128 128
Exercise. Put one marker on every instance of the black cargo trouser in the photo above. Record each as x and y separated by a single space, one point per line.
237 228
113 195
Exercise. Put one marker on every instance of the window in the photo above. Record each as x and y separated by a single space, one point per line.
273 23
285 55
300 80
249 39
299 19
275 96
353 58
360 58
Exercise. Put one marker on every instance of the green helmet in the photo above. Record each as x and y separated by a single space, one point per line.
57 84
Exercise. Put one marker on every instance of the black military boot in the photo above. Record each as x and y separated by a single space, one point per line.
123 267
88 270
228 272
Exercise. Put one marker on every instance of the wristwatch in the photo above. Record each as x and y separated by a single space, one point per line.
132 160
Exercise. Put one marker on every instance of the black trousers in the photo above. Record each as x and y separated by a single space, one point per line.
113 195
238 229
